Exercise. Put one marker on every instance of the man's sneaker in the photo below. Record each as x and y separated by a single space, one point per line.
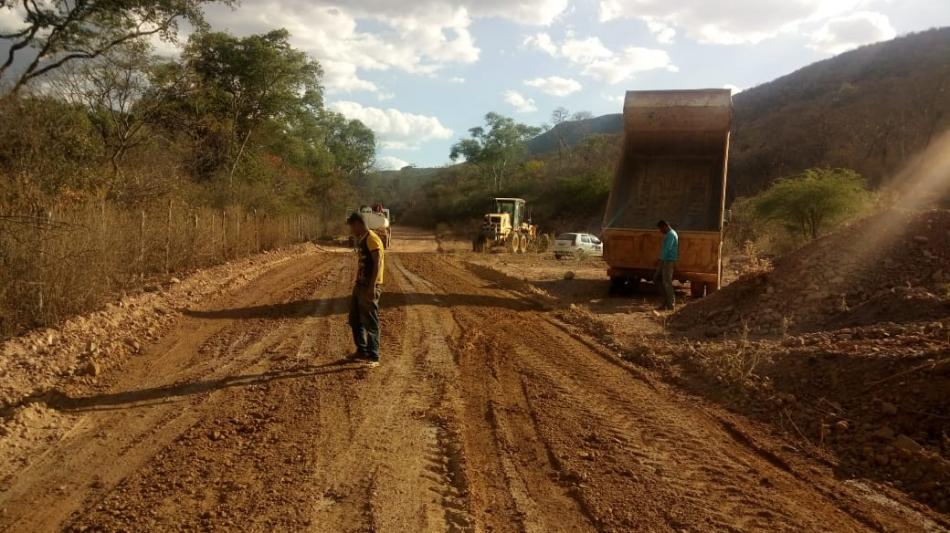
358 354
372 363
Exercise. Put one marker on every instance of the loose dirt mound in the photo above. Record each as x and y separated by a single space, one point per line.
892 267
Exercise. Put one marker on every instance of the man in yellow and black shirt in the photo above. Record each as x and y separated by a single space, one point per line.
364 306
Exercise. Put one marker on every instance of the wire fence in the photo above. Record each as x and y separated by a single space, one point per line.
61 262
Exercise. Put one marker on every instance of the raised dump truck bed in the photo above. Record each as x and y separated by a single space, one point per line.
672 167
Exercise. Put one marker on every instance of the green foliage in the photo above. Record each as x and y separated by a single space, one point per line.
235 121
352 144
496 148
565 195
49 147
245 82
743 222
812 202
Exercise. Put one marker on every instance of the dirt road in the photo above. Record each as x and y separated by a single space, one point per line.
487 414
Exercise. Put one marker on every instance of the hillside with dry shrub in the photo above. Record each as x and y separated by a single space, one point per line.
870 109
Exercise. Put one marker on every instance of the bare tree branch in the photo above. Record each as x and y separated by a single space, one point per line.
91 54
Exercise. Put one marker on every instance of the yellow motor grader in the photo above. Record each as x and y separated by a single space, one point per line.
507 226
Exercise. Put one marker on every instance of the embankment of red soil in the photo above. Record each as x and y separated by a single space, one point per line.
892 267
85 346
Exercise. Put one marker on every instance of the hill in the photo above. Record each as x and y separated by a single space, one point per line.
572 132
869 109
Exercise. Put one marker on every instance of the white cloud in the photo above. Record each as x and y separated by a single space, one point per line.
519 102
634 59
394 128
599 62
663 32
850 31
584 50
388 162
534 12
331 36
417 36
456 79
543 42
555 85
725 21
735 88
11 17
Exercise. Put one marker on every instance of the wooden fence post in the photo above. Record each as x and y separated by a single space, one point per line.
194 240
168 238
224 234
257 233
142 244
211 241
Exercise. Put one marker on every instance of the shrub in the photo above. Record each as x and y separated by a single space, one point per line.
814 201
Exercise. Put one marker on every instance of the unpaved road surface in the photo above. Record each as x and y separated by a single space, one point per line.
487 414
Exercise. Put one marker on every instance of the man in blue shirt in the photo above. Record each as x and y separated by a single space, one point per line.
669 255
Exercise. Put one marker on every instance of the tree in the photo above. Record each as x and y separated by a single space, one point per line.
558 117
56 32
814 200
114 89
495 149
252 79
582 115
352 144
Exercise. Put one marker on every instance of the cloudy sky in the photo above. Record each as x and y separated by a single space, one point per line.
421 72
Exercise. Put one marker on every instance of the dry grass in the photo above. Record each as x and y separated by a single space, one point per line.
62 262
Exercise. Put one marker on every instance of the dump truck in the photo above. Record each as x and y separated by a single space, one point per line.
672 167
509 226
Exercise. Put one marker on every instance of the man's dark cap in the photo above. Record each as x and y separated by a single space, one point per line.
661 223
354 218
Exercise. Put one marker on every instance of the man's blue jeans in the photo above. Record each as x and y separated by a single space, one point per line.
364 320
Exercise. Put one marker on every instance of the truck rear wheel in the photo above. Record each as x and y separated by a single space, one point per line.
697 289
624 285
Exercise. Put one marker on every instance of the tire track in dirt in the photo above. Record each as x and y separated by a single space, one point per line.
351 450
148 405
633 456
515 486
245 463
400 470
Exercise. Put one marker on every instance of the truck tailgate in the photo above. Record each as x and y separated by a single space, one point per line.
630 249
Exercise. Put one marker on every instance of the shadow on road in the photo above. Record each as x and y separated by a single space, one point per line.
338 306
592 293
170 393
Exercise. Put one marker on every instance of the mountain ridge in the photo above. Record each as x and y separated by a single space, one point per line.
869 109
